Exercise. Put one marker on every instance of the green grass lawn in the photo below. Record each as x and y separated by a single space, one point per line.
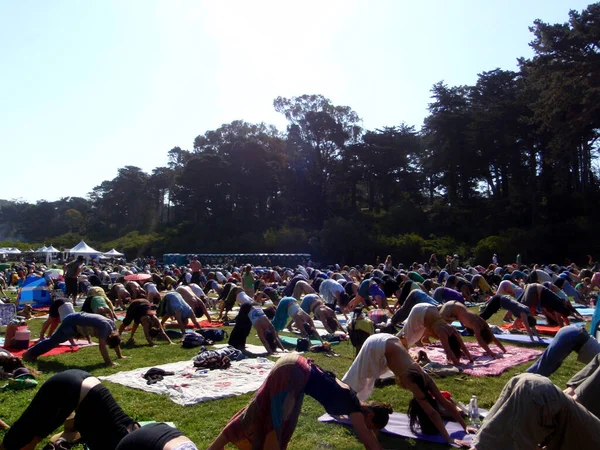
203 422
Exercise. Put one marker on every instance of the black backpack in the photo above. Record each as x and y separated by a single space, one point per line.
191 340
213 334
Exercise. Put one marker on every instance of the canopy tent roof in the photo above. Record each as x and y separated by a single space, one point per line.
10 250
83 249
50 249
113 253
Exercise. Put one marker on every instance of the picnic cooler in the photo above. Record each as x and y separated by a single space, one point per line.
17 337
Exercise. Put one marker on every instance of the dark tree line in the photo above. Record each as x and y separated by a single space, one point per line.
508 165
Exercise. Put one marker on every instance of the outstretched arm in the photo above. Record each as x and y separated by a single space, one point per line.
104 352
366 436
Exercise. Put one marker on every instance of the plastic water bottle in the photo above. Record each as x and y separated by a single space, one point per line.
474 412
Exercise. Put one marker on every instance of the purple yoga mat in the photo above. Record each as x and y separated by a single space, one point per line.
399 426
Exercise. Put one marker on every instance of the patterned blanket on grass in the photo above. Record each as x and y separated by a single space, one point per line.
188 386
484 365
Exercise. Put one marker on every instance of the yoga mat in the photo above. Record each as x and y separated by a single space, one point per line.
293 341
65 347
203 324
399 425
483 365
586 311
544 329
524 339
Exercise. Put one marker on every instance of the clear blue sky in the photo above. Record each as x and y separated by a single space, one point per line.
91 86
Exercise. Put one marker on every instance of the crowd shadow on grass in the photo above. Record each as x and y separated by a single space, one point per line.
58 366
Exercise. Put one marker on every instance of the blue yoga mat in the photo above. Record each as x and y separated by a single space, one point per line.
293 341
399 425
523 339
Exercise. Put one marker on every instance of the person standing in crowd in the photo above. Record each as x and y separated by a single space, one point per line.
71 273
196 267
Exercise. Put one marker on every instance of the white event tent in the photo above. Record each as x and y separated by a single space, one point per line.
48 252
84 250
113 254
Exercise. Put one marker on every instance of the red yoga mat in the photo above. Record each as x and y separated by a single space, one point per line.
203 324
55 351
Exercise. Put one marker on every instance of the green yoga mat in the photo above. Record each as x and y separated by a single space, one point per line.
293 341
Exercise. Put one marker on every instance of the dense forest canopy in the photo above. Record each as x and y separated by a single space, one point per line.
507 166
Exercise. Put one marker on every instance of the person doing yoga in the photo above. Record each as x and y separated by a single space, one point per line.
289 307
156 436
424 321
140 312
98 418
521 312
270 418
454 310
531 413
194 301
382 353
312 303
76 324
553 307
253 316
173 305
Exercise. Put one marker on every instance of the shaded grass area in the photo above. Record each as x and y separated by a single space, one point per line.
203 422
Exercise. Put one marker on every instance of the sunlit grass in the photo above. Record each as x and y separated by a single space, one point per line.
203 422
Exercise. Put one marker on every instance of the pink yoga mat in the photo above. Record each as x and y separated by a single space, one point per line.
484 365
399 426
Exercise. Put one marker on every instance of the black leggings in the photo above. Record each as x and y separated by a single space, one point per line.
101 421
491 308
552 302
53 403
242 328
153 436
406 289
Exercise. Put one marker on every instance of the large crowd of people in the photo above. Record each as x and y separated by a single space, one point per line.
389 308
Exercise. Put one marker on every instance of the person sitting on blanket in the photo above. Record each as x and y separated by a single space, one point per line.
156 436
173 305
288 306
59 309
521 312
195 302
569 339
76 324
253 316
140 311
554 308
454 310
424 321
270 418
99 419
532 412
384 352
313 303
